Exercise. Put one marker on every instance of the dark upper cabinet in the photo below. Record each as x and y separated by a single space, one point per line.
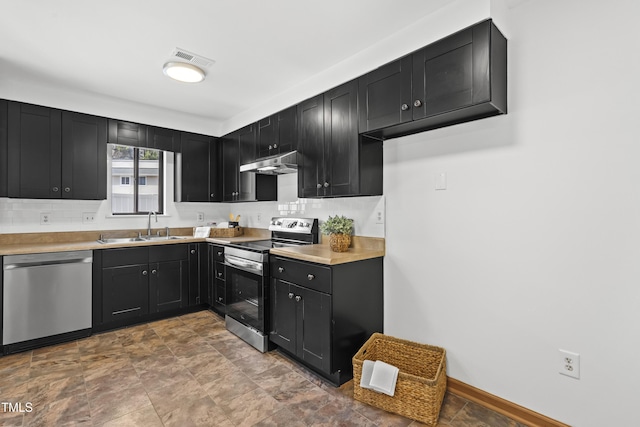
460 78
54 154
163 139
334 160
4 176
127 133
385 95
193 181
238 148
277 133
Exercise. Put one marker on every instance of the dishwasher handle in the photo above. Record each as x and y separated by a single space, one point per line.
12 262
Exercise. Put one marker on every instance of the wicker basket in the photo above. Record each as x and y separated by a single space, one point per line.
422 380
226 232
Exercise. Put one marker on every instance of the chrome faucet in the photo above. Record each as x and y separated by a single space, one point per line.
149 222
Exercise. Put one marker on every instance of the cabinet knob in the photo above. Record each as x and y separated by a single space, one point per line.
319 185
219 273
219 299
310 276
219 253
275 145
193 251
417 103
290 295
280 269
298 298
67 189
153 271
212 195
55 189
144 272
404 107
326 184
270 147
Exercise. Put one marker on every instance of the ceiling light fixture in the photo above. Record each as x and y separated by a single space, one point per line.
183 72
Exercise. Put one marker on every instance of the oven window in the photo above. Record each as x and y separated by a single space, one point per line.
245 297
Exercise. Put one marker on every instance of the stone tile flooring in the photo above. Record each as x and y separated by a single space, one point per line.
187 371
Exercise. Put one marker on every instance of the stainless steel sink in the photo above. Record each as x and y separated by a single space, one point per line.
120 240
156 238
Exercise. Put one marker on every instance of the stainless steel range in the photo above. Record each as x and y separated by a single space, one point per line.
247 277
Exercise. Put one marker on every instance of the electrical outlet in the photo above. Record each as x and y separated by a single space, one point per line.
379 217
259 216
569 363
88 217
200 216
45 218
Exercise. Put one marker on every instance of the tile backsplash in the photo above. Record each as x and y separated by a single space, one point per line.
29 216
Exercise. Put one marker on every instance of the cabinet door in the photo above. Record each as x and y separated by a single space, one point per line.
267 134
287 131
341 176
192 173
451 73
314 327
3 148
283 315
247 180
215 178
194 274
230 167
127 133
168 285
125 292
34 151
84 156
311 147
385 95
163 139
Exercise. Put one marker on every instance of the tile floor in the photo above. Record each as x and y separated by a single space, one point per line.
187 371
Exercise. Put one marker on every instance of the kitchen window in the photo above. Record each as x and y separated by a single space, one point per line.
136 180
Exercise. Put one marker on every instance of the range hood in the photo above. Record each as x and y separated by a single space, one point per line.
274 165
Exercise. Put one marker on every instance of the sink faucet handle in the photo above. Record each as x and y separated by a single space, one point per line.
166 231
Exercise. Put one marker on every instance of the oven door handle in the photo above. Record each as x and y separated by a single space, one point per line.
235 261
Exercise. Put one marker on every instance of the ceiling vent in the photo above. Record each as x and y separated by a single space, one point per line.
192 58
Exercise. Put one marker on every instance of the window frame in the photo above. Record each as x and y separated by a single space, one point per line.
135 184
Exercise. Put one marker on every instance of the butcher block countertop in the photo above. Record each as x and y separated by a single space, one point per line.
361 248
30 243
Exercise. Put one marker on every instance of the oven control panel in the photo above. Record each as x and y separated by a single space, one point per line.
294 225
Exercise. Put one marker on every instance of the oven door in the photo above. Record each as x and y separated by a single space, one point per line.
246 292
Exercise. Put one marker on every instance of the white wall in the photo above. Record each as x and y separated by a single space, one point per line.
534 246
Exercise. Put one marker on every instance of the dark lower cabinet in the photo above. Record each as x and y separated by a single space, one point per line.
321 315
198 274
133 285
217 280
3 148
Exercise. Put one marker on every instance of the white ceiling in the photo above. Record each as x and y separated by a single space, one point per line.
261 48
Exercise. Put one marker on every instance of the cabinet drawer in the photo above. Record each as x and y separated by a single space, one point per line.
312 276
168 252
124 256
220 294
219 271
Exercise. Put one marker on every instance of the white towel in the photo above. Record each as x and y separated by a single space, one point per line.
383 378
367 370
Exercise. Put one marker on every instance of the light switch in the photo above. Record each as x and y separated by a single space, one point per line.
441 181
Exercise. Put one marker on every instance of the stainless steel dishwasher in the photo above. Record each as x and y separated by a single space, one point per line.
46 298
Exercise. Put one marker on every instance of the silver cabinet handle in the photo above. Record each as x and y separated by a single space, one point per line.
417 103
275 145
55 189
319 185
212 195
144 272
67 189
310 276
153 271
298 298
280 269
219 253
290 295
270 147
326 184
193 251
220 299
219 273
404 107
